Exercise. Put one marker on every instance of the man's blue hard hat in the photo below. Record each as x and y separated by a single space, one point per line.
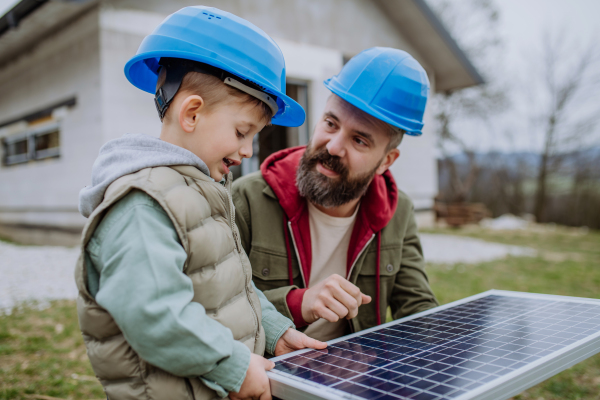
386 83
220 39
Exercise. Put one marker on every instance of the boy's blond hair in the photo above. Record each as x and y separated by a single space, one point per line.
213 91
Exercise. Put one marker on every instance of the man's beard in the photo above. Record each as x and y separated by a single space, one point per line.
323 190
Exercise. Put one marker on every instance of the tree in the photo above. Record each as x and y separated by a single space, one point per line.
563 114
474 24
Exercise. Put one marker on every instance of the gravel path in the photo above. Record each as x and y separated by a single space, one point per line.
32 273
448 249
36 273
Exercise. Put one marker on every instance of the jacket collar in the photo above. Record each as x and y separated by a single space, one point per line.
377 206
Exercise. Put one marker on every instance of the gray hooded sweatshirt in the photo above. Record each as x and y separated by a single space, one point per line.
129 154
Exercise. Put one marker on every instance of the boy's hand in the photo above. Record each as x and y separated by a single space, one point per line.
256 384
293 340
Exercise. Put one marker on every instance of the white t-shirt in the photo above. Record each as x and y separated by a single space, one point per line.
329 239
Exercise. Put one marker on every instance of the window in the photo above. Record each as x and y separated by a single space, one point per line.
32 144
46 144
274 138
33 137
16 150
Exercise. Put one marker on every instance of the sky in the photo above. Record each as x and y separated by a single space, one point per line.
6 5
522 25
524 21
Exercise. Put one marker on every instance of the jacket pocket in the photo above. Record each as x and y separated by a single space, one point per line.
389 263
270 269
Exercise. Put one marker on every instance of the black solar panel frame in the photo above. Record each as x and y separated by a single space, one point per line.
511 384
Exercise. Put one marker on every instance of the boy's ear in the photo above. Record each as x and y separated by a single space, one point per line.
189 113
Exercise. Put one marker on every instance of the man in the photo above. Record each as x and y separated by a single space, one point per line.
329 236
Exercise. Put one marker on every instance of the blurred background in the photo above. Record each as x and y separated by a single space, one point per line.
511 126
505 179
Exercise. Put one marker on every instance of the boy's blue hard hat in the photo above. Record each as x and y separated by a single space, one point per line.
386 83
215 37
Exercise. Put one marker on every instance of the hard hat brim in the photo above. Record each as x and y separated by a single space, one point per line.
412 128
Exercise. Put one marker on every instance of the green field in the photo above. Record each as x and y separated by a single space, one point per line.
42 355
568 264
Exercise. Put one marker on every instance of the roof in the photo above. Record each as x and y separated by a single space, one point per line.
36 19
413 19
426 33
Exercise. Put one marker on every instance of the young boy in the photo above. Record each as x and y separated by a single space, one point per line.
166 303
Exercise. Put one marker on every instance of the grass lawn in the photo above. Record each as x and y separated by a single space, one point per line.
42 355
568 264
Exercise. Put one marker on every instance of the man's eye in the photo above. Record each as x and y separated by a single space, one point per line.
360 141
329 123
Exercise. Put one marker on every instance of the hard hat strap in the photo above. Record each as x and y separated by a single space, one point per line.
264 97
396 129
176 69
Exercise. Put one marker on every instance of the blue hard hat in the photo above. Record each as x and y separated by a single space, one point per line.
222 40
386 83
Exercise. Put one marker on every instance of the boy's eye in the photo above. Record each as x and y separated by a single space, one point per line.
239 134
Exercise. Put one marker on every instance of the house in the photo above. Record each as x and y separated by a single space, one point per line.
64 93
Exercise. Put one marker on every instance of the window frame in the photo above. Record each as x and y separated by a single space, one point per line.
30 133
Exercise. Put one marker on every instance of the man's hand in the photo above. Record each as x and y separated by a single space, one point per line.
293 340
256 384
332 299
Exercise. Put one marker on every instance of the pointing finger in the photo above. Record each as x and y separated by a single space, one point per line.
313 343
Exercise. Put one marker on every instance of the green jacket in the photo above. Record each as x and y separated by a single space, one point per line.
273 221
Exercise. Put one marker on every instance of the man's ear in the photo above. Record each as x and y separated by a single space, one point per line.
388 160
189 113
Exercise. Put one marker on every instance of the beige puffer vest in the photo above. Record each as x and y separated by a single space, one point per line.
202 213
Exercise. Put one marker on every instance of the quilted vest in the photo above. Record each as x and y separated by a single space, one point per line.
202 212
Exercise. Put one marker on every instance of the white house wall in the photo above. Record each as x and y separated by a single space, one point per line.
349 26
86 60
64 65
313 47
416 170
125 109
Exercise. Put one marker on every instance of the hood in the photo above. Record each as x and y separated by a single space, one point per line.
129 154
377 207
279 171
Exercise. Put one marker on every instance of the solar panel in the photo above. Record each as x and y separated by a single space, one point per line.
489 346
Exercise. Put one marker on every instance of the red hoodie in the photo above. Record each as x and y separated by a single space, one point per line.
377 208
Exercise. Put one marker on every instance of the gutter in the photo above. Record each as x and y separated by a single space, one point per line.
19 12
436 23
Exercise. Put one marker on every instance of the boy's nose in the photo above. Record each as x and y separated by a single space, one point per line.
246 149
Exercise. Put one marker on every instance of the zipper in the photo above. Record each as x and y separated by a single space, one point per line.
237 246
297 254
358 256
350 274
189 387
232 219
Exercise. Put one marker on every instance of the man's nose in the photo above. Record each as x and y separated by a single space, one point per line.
337 145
